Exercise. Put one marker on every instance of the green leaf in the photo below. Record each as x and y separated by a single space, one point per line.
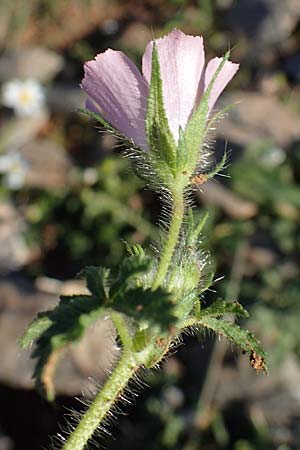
154 307
54 330
161 141
221 307
135 250
35 330
241 338
130 272
97 280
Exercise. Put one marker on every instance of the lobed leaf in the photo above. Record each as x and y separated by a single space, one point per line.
241 338
154 307
35 330
97 280
54 330
221 307
130 271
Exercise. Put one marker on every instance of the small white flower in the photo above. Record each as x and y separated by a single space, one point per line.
26 97
273 157
14 168
90 176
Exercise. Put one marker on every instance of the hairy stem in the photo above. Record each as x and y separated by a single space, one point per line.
172 238
103 402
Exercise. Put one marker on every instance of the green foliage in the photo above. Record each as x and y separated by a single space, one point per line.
216 318
130 272
241 338
97 281
271 182
36 329
54 330
221 307
152 307
141 315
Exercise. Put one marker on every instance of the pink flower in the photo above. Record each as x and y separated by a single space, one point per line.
118 91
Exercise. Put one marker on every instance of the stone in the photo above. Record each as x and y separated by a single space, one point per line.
268 22
45 155
83 365
257 117
38 63
14 251
234 206
18 131
274 399
136 36
65 98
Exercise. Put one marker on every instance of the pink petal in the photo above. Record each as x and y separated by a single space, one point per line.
117 91
227 73
181 59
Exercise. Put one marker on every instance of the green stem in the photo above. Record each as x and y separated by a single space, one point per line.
122 330
172 239
103 402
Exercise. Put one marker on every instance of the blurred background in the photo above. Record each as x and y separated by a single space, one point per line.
68 199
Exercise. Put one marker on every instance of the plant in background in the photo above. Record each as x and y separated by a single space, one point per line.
25 97
14 169
163 117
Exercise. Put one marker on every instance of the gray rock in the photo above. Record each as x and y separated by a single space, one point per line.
6 443
14 252
21 130
39 63
65 98
83 366
257 117
268 22
273 401
46 157
234 206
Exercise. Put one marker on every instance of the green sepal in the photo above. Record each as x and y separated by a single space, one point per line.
160 139
182 153
108 126
101 120
196 128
